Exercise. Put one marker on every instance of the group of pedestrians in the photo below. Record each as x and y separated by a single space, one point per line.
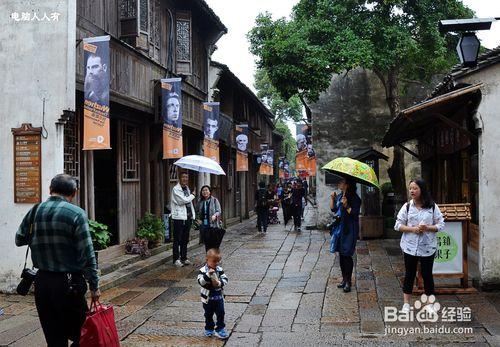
418 221
58 234
292 195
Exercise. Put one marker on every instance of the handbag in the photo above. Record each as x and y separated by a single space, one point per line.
213 237
99 328
28 275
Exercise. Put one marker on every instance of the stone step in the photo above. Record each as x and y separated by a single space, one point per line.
122 260
133 266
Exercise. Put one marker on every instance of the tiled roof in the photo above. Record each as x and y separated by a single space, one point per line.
488 58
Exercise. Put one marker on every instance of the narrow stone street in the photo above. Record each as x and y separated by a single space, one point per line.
282 291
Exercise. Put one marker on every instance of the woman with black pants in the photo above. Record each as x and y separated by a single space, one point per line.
346 207
418 221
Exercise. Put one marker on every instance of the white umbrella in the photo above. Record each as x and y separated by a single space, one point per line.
200 163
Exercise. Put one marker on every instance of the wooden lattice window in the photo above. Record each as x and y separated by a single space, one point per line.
144 16
72 146
184 43
130 153
173 172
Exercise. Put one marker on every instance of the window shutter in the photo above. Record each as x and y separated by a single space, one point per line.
184 46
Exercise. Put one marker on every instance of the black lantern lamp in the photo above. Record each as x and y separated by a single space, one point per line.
468 49
468 45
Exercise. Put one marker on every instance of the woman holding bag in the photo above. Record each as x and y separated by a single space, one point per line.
209 216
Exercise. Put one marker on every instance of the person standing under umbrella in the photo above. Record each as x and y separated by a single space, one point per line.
209 214
347 206
182 214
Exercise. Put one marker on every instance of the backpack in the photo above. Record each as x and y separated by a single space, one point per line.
262 201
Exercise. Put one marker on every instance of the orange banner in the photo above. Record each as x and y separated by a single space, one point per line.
241 161
242 147
266 169
301 161
96 93
211 149
171 96
172 142
311 163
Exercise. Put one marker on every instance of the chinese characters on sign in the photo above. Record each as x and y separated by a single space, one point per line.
27 164
35 16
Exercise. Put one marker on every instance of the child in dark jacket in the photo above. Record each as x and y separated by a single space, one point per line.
212 280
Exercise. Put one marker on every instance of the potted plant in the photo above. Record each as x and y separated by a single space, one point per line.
151 228
101 237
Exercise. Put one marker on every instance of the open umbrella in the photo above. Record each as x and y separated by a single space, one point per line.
349 168
200 163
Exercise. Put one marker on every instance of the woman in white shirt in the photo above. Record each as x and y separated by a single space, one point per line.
418 220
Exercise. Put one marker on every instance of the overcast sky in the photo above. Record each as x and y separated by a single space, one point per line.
239 18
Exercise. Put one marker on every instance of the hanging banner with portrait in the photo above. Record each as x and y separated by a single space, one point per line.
211 125
266 160
301 160
281 172
242 147
96 93
311 160
171 111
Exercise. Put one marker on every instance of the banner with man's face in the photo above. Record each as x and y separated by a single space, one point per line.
171 111
242 147
266 160
211 126
281 167
305 160
96 93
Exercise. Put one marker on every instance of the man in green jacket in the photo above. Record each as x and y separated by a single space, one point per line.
62 251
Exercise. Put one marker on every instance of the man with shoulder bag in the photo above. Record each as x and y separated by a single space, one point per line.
61 249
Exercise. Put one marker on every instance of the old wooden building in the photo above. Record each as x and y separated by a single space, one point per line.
150 40
239 105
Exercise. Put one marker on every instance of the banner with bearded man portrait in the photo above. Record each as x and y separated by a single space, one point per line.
96 93
171 111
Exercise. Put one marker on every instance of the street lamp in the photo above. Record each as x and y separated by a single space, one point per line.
468 45
468 49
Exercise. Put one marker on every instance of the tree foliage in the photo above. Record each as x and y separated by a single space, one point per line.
396 39
282 109
390 37
289 144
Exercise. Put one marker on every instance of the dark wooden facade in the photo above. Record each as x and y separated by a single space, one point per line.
239 104
150 40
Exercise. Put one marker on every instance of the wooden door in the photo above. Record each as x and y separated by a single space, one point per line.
129 179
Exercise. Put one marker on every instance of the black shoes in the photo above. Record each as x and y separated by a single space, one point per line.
341 284
347 288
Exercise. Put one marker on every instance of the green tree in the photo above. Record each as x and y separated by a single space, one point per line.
289 144
397 39
282 109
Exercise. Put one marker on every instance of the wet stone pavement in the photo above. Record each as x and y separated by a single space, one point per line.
282 291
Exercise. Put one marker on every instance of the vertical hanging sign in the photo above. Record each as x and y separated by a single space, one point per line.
172 117
27 164
211 125
96 93
242 147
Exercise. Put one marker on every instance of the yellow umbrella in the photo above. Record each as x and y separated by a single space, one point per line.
350 168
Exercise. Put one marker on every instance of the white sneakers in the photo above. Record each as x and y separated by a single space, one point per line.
180 263
406 308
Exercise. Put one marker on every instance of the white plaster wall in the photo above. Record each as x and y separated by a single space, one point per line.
36 56
489 173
